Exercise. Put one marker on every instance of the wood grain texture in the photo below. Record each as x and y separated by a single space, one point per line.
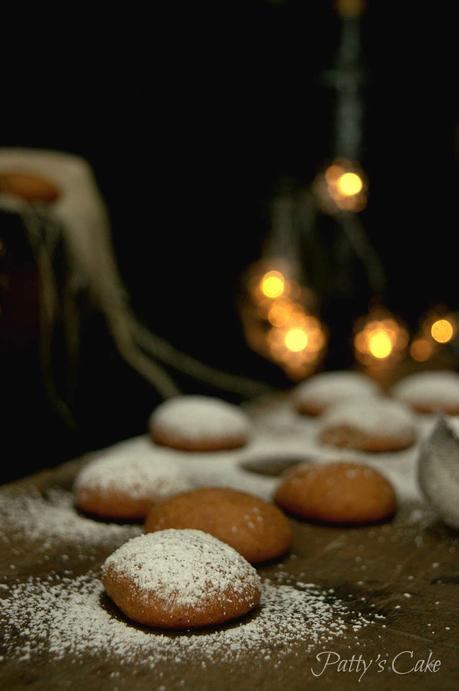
371 568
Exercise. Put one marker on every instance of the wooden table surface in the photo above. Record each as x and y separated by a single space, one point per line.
406 571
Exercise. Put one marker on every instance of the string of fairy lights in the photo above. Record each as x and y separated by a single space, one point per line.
281 328
279 312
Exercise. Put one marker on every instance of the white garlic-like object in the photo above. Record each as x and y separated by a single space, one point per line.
438 470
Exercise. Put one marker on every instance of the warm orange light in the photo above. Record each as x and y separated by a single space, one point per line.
299 344
349 184
350 8
345 186
379 339
442 330
421 349
380 344
333 173
272 285
280 312
296 340
277 318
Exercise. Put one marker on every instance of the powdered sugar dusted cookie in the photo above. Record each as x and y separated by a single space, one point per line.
125 482
369 424
199 423
349 493
179 579
255 528
427 392
315 395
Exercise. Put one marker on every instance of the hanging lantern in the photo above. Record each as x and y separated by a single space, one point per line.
380 339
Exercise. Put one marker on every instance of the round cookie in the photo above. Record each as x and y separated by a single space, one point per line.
346 493
428 392
252 526
315 395
123 484
199 423
180 579
369 424
29 186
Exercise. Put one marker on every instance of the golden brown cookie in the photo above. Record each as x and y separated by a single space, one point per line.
124 482
199 423
316 394
29 186
180 579
430 392
348 493
368 424
255 528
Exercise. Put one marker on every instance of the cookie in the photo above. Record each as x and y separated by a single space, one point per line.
125 483
346 493
255 528
180 579
199 423
428 392
368 424
29 186
315 395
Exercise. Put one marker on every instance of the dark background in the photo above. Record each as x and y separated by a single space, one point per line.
190 117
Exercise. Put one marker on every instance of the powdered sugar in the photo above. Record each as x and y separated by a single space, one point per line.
47 521
197 417
283 433
327 388
373 416
182 568
430 389
70 618
140 470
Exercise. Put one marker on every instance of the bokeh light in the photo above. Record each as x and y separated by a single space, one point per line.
296 339
343 186
442 330
272 284
421 349
379 339
278 318
380 344
349 184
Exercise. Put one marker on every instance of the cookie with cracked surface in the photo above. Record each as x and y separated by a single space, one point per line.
344 493
255 528
180 579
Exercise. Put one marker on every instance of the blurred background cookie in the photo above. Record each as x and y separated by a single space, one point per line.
349 493
180 579
315 395
368 424
199 423
428 392
255 528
